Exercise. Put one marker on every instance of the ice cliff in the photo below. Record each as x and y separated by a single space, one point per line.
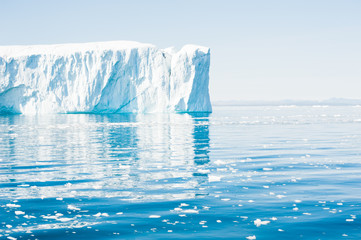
104 77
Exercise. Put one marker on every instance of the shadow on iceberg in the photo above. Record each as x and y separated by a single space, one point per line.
104 77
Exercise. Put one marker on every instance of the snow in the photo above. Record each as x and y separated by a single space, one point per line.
103 77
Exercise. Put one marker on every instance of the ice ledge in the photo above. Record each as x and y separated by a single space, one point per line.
103 77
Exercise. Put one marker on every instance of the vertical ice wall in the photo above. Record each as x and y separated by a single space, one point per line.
106 77
189 80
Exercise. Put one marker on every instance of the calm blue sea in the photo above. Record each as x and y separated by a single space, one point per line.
238 173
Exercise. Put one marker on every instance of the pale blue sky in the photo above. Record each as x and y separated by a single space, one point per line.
261 49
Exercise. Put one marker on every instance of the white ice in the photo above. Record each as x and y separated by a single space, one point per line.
103 77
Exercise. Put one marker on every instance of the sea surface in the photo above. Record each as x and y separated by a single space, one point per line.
286 172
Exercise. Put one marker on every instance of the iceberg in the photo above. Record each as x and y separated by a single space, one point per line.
103 77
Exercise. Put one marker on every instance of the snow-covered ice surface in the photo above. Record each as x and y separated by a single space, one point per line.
103 77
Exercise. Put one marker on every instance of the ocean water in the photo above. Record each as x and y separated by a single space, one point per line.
238 173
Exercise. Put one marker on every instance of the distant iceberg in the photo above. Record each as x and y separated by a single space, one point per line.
103 77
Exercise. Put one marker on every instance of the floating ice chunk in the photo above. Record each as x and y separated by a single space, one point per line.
251 237
154 216
333 211
219 162
72 207
19 212
267 169
259 222
212 178
203 171
97 215
12 205
190 211
65 219
280 196
49 217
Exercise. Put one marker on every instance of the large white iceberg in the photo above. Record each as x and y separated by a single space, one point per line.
104 77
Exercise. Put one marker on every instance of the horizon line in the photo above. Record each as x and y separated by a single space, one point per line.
288 102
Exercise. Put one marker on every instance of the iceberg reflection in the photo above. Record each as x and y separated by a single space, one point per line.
126 156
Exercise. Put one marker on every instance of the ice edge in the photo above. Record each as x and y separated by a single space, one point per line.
103 77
